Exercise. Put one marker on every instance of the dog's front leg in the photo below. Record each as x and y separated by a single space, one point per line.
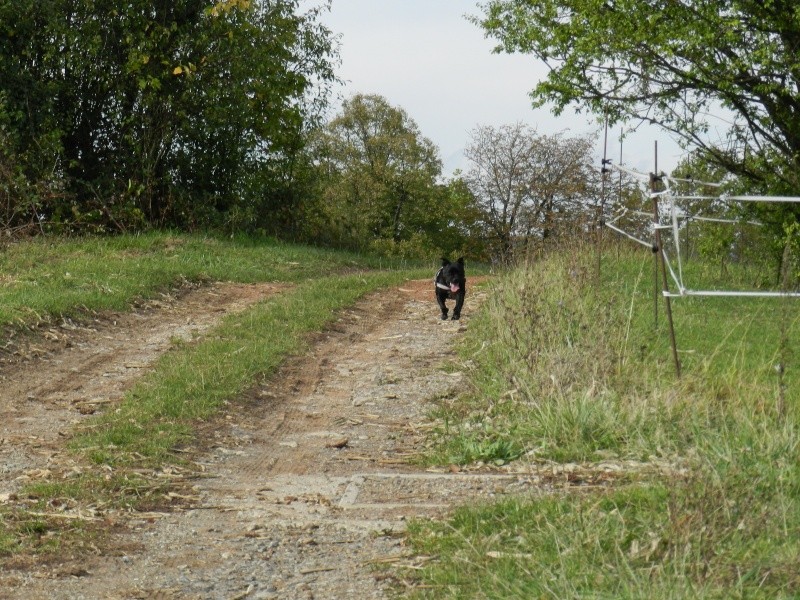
442 305
459 304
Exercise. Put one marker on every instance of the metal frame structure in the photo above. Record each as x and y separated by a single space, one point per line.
674 219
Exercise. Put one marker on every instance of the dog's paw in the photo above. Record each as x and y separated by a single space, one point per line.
456 317
444 316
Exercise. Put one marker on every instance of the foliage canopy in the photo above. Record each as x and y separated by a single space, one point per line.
380 184
528 186
673 63
162 112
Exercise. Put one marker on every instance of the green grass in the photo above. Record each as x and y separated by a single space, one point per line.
8 541
44 277
191 384
628 543
566 369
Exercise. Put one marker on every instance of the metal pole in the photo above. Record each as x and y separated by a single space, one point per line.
655 242
688 247
619 197
660 258
600 217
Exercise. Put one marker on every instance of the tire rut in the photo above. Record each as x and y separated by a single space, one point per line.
44 398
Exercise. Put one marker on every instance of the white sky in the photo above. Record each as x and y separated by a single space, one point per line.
426 58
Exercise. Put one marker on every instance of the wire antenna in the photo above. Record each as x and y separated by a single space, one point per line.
672 219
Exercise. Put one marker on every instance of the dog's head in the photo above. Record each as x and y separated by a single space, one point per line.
452 274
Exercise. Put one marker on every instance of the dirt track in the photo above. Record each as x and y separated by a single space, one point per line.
51 383
306 482
302 488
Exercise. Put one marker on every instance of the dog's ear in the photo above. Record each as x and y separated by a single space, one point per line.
445 262
460 260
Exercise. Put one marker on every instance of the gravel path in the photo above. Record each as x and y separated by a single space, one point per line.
306 483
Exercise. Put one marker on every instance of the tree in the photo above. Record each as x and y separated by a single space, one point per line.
378 174
177 112
741 236
563 181
457 225
672 63
499 175
526 183
257 82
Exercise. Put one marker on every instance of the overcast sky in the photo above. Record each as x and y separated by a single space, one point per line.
426 58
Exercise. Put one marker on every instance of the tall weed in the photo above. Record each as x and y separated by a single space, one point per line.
569 368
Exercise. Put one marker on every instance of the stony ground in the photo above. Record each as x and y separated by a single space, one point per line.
305 484
302 489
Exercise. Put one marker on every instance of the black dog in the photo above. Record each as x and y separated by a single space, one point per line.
450 282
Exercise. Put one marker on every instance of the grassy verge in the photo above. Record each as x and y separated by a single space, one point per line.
569 370
46 277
